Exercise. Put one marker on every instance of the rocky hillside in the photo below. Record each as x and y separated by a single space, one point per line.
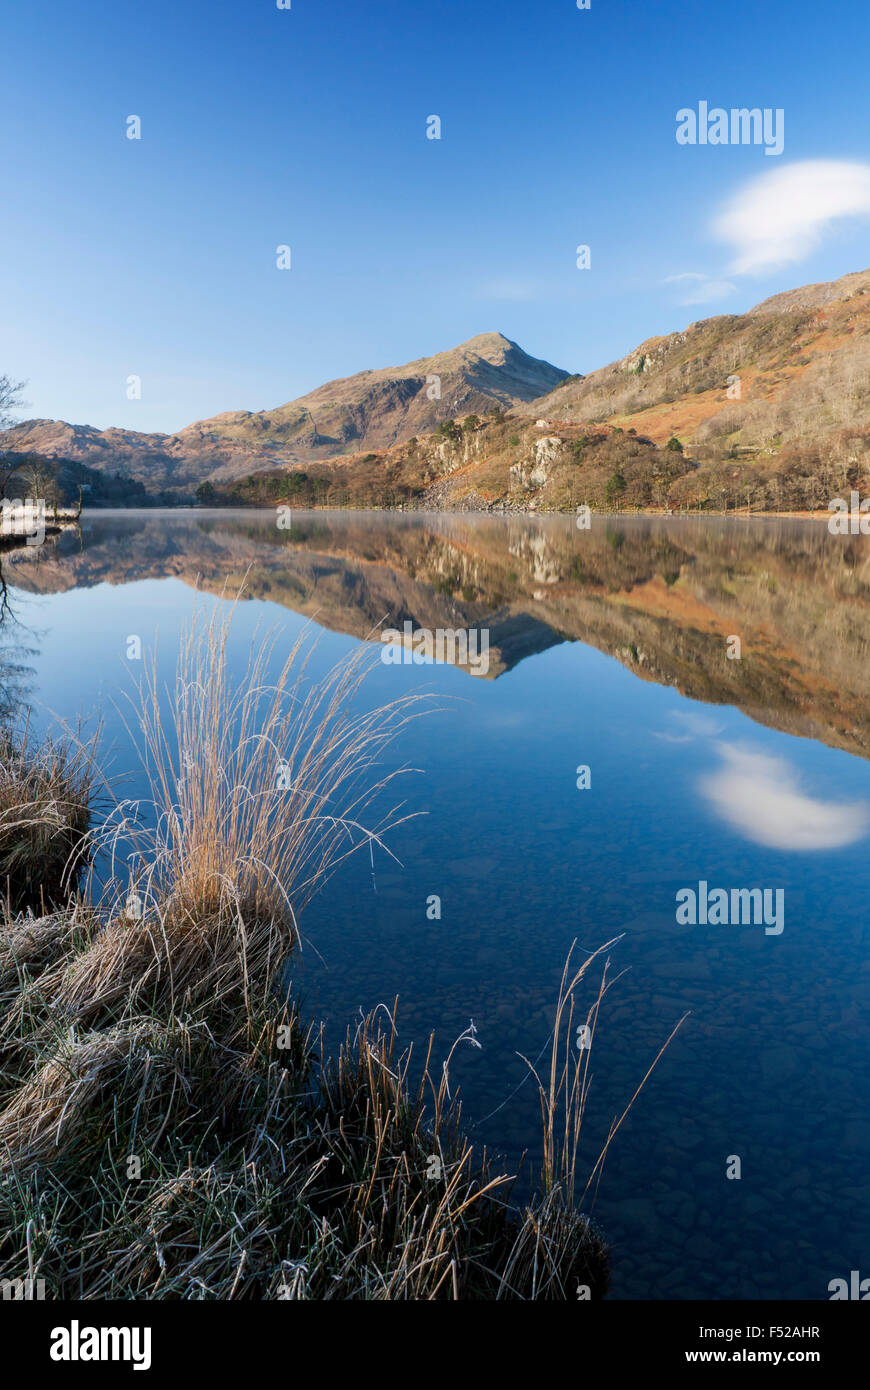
371 410
783 391
495 462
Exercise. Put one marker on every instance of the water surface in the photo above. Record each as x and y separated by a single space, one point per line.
608 649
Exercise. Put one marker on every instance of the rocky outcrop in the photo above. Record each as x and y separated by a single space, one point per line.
535 472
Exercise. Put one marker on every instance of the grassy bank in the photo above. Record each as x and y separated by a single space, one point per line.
169 1125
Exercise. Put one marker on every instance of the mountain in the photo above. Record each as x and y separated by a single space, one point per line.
371 410
767 410
764 411
784 389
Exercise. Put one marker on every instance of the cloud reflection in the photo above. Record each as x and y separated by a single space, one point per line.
695 726
760 796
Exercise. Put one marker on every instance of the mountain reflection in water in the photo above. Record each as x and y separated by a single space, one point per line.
660 595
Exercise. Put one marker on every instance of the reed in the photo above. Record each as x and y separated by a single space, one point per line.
258 781
45 803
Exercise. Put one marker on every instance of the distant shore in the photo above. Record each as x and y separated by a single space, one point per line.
500 510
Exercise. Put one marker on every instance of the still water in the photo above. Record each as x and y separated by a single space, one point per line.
608 650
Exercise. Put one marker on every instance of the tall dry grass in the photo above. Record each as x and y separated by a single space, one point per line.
45 797
564 1090
259 788
259 781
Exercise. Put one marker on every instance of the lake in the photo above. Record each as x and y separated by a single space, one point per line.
712 678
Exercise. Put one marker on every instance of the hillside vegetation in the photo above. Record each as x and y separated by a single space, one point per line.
774 404
499 461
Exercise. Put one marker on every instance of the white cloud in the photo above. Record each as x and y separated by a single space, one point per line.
781 216
702 288
760 796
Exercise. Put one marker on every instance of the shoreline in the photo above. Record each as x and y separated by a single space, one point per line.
495 511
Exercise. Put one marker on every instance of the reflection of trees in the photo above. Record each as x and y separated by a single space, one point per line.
15 675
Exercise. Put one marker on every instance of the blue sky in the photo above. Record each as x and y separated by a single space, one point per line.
307 127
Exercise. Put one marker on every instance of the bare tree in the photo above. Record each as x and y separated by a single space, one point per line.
37 479
10 399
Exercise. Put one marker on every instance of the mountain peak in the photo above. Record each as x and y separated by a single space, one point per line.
484 343
494 348
485 370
